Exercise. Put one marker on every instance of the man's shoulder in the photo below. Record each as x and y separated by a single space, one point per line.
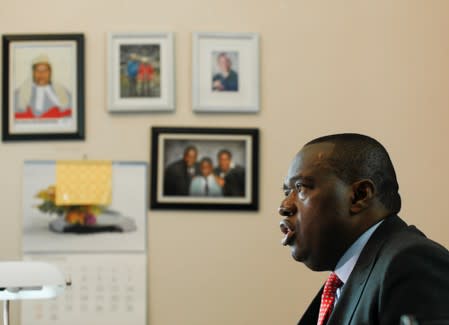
406 246
237 171
403 272
57 86
412 276
240 169
26 85
176 164
409 238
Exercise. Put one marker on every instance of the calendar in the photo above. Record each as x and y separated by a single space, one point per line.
104 289
107 271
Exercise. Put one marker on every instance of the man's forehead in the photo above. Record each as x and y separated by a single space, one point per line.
311 157
42 66
319 151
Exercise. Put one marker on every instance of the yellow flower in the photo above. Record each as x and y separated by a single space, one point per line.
48 194
74 214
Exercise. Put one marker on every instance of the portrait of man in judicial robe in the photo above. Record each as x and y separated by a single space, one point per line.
41 97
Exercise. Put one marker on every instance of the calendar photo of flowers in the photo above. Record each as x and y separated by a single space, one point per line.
84 206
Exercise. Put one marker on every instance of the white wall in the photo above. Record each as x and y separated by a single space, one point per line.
379 67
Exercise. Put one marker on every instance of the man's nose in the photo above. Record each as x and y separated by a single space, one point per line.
287 208
285 212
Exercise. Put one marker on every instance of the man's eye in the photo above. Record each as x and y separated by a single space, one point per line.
300 187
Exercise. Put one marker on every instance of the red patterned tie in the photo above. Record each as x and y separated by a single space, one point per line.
328 297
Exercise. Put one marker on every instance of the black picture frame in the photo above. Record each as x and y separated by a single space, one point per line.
168 184
24 121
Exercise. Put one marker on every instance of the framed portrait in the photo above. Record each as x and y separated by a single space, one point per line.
204 168
43 87
141 72
226 72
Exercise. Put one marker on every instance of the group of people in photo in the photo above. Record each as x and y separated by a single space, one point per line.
192 177
140 74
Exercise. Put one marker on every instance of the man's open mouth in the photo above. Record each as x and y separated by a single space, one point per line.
289 232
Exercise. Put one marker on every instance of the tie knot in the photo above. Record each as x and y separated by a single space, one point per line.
332 284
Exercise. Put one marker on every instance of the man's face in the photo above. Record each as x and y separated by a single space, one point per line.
206 168
224 162
315 209
41 74
190 158
223 63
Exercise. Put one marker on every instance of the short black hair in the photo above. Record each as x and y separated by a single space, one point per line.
357 157
189 148
224 151
206 160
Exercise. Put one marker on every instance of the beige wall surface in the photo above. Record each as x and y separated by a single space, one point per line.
379 67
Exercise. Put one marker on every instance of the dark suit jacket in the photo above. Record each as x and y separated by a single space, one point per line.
399 272
177 179
234 181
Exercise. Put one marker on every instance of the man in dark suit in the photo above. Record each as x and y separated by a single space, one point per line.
340 215
179 174
231 176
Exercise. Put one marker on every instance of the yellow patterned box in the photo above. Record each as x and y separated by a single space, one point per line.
83 182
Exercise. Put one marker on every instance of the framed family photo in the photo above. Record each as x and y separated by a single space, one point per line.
204 168
226 72
43 87
141 72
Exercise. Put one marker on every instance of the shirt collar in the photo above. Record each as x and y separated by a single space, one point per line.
347 262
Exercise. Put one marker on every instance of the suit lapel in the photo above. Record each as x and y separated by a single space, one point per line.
354 287
311 314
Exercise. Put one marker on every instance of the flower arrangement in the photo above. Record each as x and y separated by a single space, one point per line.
73 214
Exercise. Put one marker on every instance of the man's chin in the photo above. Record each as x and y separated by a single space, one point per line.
296 254
301 257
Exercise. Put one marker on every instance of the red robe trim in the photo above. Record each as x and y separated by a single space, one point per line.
53 112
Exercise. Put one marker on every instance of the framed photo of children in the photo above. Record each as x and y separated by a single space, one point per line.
43 87
141 72
204 168
226 72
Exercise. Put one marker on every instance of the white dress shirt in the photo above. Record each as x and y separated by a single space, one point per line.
347 262
198 186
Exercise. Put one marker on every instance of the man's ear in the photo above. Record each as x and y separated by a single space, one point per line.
363 192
